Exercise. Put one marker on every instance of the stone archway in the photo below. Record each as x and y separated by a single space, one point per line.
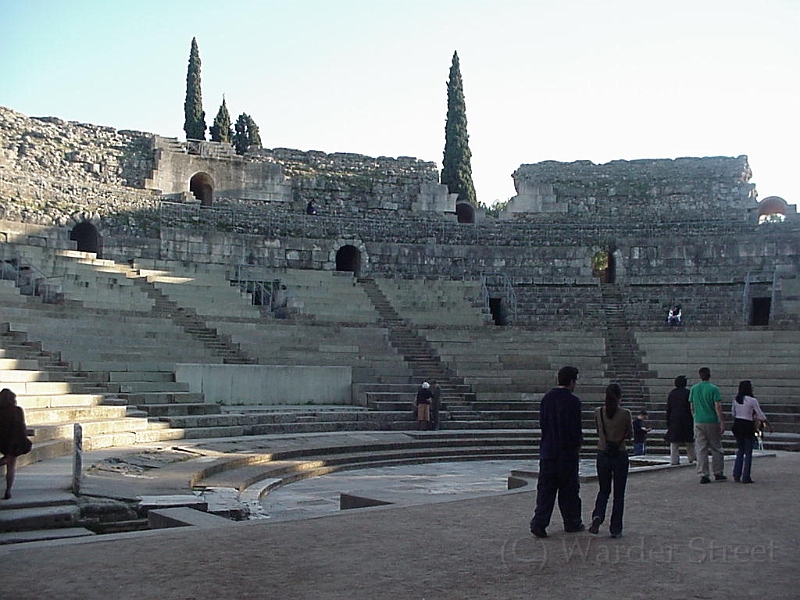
87 237
202 187
603 266
772 209
465 212
348 258
349 255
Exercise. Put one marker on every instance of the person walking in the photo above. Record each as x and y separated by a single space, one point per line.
745 410
559 456
614 426
14 440
709 425
680 425
436 404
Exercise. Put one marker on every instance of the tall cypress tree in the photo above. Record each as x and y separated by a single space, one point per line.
456 166
246 134
195 119
221 130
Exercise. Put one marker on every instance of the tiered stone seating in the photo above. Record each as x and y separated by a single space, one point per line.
81 276
54 399
204 287
329 296
508 364
435 301
766 357
279 342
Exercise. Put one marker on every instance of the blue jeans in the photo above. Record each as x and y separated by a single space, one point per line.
744 456
611 471
639 449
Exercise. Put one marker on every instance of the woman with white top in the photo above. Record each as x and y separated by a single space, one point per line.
745 409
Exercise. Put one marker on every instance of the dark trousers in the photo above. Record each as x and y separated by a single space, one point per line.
558 477
744 457
611 472
744 431
435 408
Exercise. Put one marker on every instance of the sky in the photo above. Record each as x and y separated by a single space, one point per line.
543 80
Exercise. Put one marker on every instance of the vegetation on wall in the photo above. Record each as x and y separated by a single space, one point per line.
221 130
194 117
246 134
457 167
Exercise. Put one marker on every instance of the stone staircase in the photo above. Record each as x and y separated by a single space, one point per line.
417 352
54 398
624 356
194 325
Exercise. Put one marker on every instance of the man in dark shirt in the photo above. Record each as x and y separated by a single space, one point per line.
559 456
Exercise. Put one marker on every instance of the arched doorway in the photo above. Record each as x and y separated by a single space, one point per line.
465 212
772 209
87 238
348 258
603 266
202 187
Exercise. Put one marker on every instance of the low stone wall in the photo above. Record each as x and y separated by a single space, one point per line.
267 384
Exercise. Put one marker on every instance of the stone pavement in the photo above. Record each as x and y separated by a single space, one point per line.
682 540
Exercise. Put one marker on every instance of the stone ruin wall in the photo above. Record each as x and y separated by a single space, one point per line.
637 191
342 184
58 174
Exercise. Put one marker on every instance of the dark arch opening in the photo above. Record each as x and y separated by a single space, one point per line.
760 311
465 212
87 238
603 266
202 187
499 310
348 258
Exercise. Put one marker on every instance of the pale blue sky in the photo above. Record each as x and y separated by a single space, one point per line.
543 79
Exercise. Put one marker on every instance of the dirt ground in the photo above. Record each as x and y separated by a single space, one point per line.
682 540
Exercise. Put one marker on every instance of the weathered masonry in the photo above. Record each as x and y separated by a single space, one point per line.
686 231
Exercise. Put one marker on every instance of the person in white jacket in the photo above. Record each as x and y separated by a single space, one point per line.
745 410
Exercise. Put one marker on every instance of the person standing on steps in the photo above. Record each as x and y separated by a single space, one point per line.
559 456
614 426
14 440
709 425
423 405
436 404
680 425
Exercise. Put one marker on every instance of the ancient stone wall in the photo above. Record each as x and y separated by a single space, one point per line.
686 225
635 191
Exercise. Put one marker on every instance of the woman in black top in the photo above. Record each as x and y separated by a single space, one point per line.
13 436
680 423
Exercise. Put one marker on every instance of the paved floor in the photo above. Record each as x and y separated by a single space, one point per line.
682 540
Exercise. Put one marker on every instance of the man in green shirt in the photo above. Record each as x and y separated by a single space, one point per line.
709 425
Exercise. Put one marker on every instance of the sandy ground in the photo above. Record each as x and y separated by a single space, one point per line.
682 540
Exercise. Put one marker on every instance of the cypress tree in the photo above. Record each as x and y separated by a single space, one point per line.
456 166
221 130
195 119
246 134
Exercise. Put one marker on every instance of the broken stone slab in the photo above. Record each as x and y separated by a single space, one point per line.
184 517
148 503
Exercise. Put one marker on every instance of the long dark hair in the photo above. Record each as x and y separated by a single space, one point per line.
613 396
745 389
8 399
